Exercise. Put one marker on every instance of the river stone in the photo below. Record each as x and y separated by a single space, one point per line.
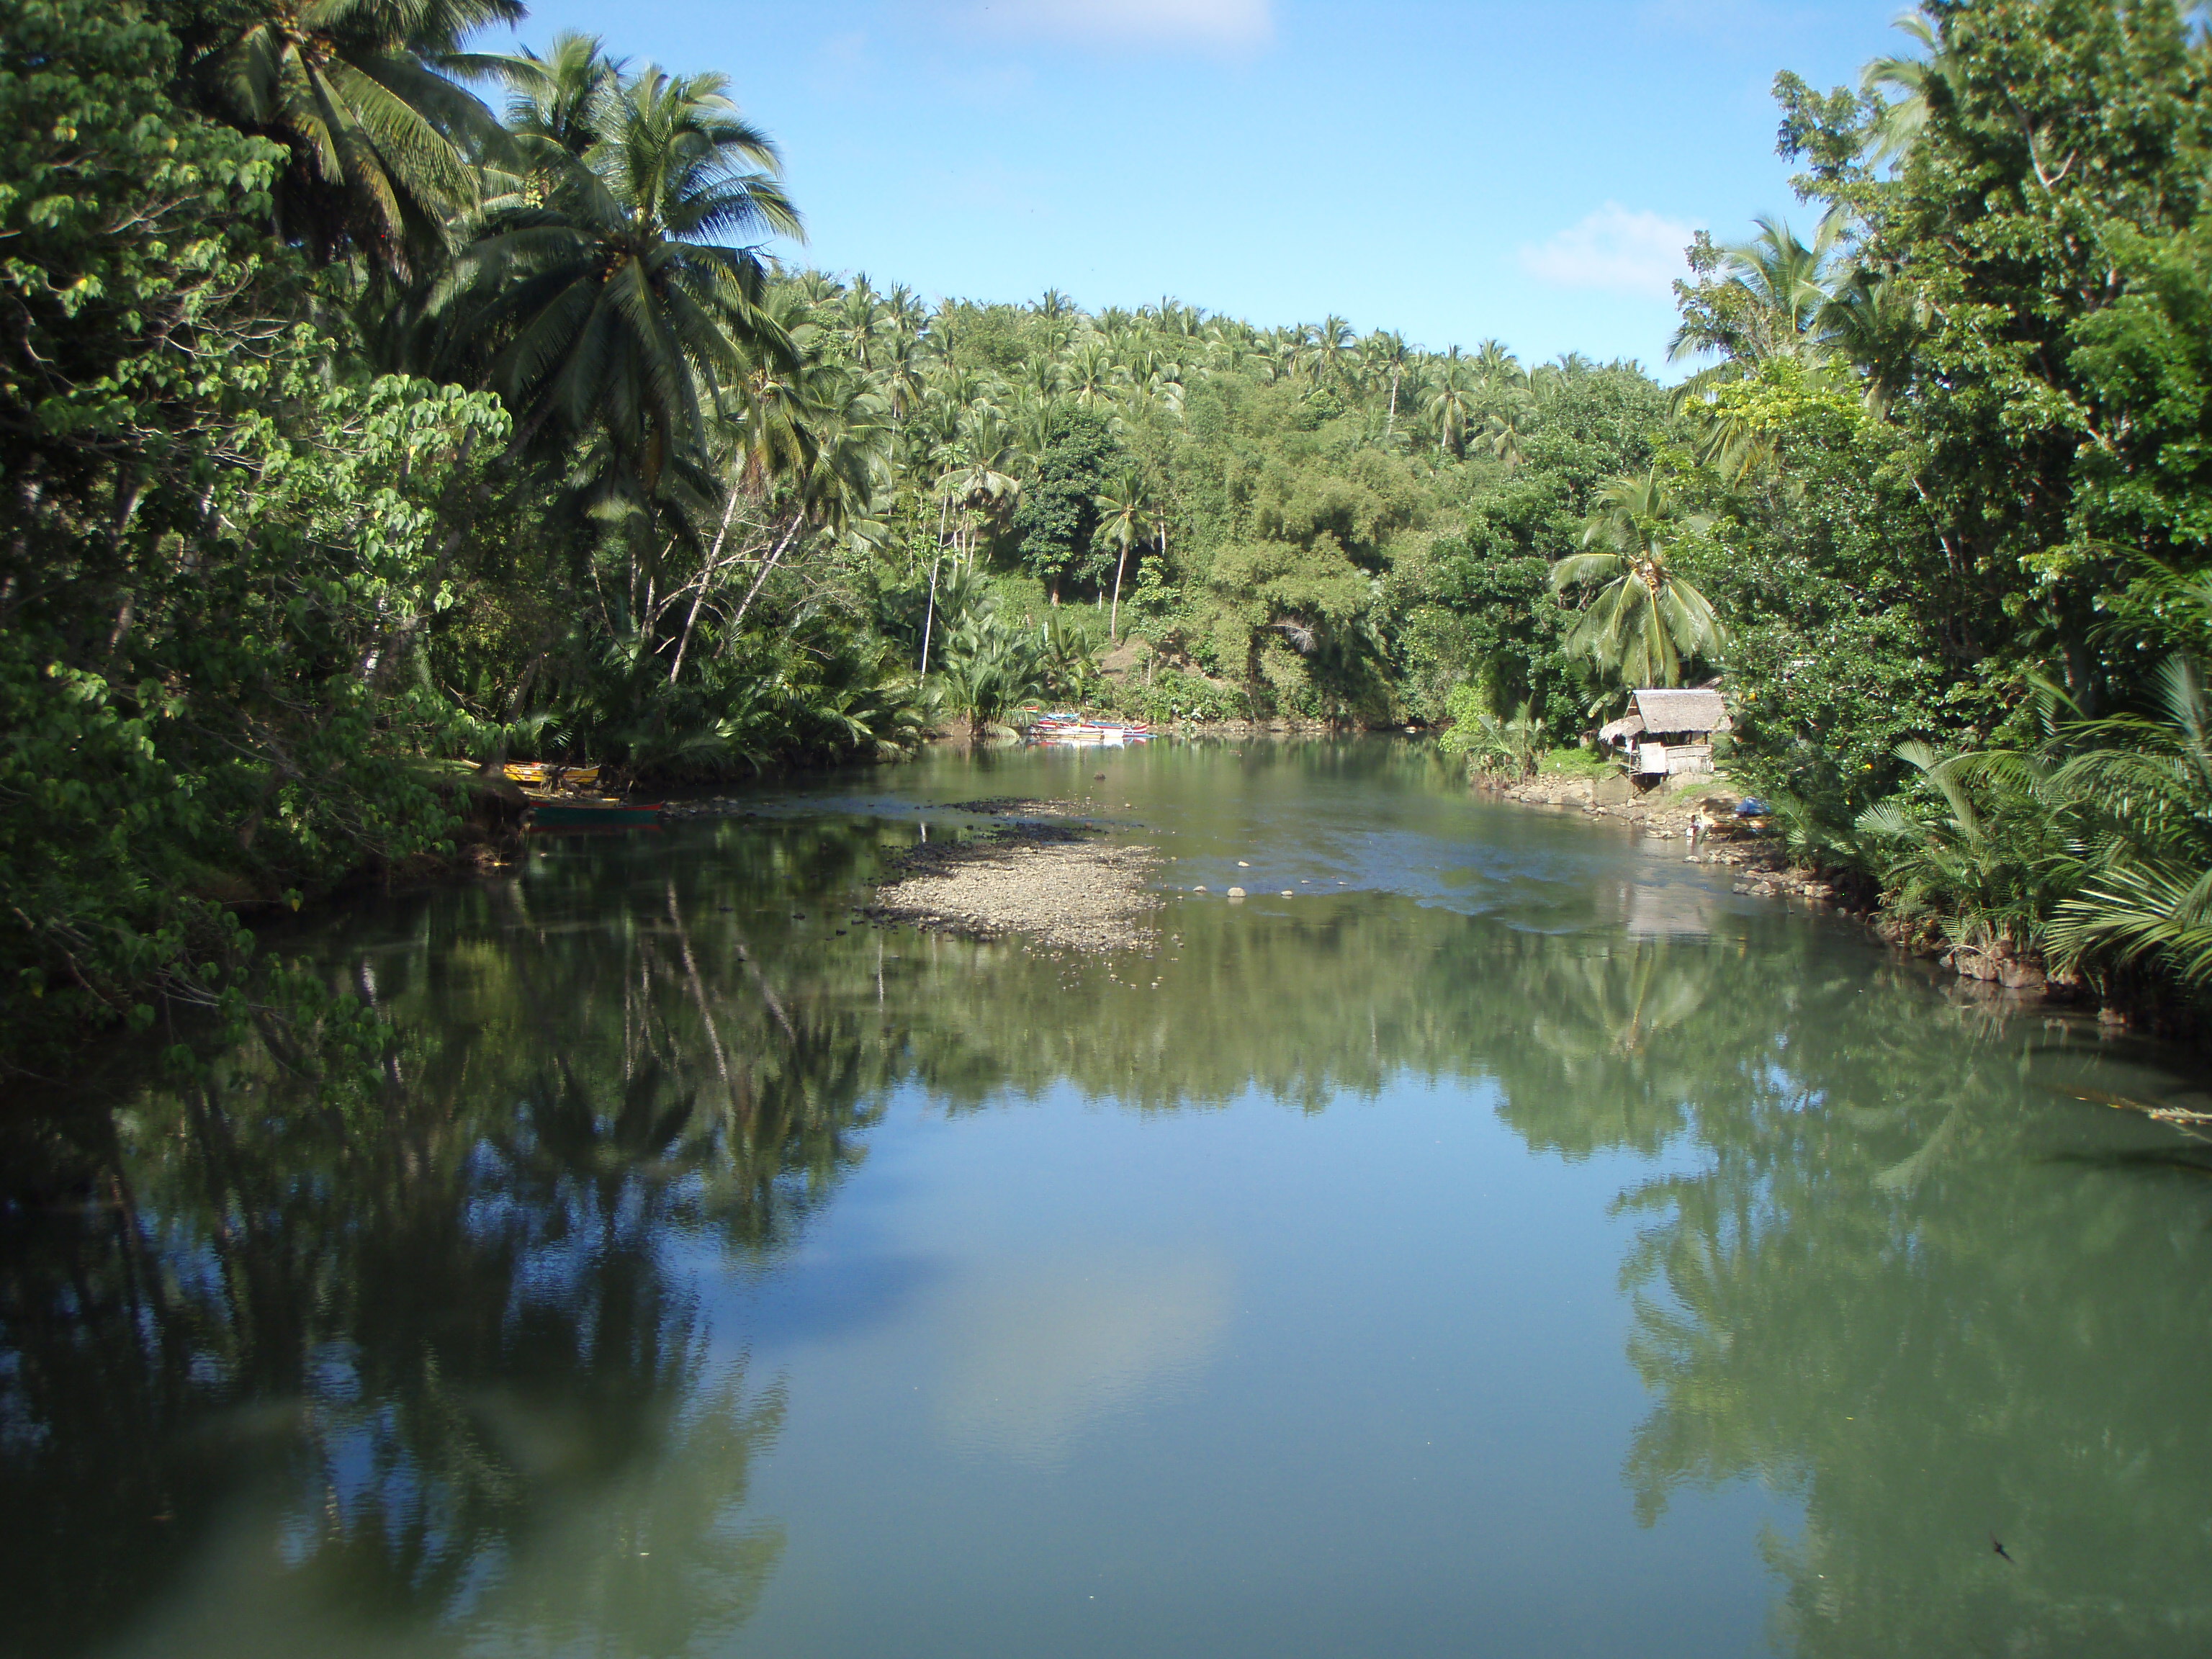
1069 894
1237 892
1610 791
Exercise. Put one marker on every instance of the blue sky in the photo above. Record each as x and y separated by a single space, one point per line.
1454 171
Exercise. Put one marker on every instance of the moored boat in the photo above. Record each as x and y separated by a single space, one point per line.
551 776
1072 729
558 801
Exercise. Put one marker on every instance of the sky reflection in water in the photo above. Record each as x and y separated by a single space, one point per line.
1514 1242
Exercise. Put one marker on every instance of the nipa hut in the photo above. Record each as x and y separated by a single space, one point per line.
1668 732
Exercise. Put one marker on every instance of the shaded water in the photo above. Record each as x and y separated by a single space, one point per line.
1512 1243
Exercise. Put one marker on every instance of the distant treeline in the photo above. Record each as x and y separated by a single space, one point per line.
377 409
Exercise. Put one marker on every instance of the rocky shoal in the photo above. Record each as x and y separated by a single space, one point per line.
1064 888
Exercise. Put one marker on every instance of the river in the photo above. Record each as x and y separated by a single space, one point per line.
1512 1243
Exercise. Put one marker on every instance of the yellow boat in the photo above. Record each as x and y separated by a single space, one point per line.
551 775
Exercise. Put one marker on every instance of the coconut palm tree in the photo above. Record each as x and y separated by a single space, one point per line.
905 316
806 444
977 476
1778 299
1874 322
384 146
609 290
1284 347
1155 377
842 476
897 374
766 417
1917 82
819 287
1326 350
1646 622
1496 365
981 479
1455 405
558 105
1505 430
1032 418
1230 348
1387 356
1125 512
1768 303
863 323
1091 375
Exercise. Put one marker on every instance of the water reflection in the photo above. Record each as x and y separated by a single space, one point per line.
442 1348
1040 1350
439 1370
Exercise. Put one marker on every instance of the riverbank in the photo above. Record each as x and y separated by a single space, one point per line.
1766 871
1671 812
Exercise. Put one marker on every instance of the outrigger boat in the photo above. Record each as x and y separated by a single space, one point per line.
1074 729
558 800
551 777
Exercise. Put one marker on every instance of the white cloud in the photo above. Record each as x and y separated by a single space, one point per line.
1232 23
1037 1352
1614 248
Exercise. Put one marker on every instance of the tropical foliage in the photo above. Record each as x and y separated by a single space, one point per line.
378 407
1645 622
1950 450
1506 747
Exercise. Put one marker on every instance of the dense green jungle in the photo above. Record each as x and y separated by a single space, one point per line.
376 406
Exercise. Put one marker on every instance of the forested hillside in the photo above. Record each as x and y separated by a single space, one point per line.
375 407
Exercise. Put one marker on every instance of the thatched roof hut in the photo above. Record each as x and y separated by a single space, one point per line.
1670 729
1667 712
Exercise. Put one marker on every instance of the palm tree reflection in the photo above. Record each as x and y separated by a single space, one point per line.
448 1357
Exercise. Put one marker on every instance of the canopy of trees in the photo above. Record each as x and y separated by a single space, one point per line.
1953 453
377 407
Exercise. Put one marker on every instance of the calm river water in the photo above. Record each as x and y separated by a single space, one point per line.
1512 1243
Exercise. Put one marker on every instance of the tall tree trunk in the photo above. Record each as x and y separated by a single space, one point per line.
714 556
766 566
929 619
1114 622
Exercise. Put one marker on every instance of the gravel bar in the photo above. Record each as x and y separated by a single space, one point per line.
1061 887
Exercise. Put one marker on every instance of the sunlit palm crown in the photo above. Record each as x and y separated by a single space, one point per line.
1646 624
384 145
615 283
